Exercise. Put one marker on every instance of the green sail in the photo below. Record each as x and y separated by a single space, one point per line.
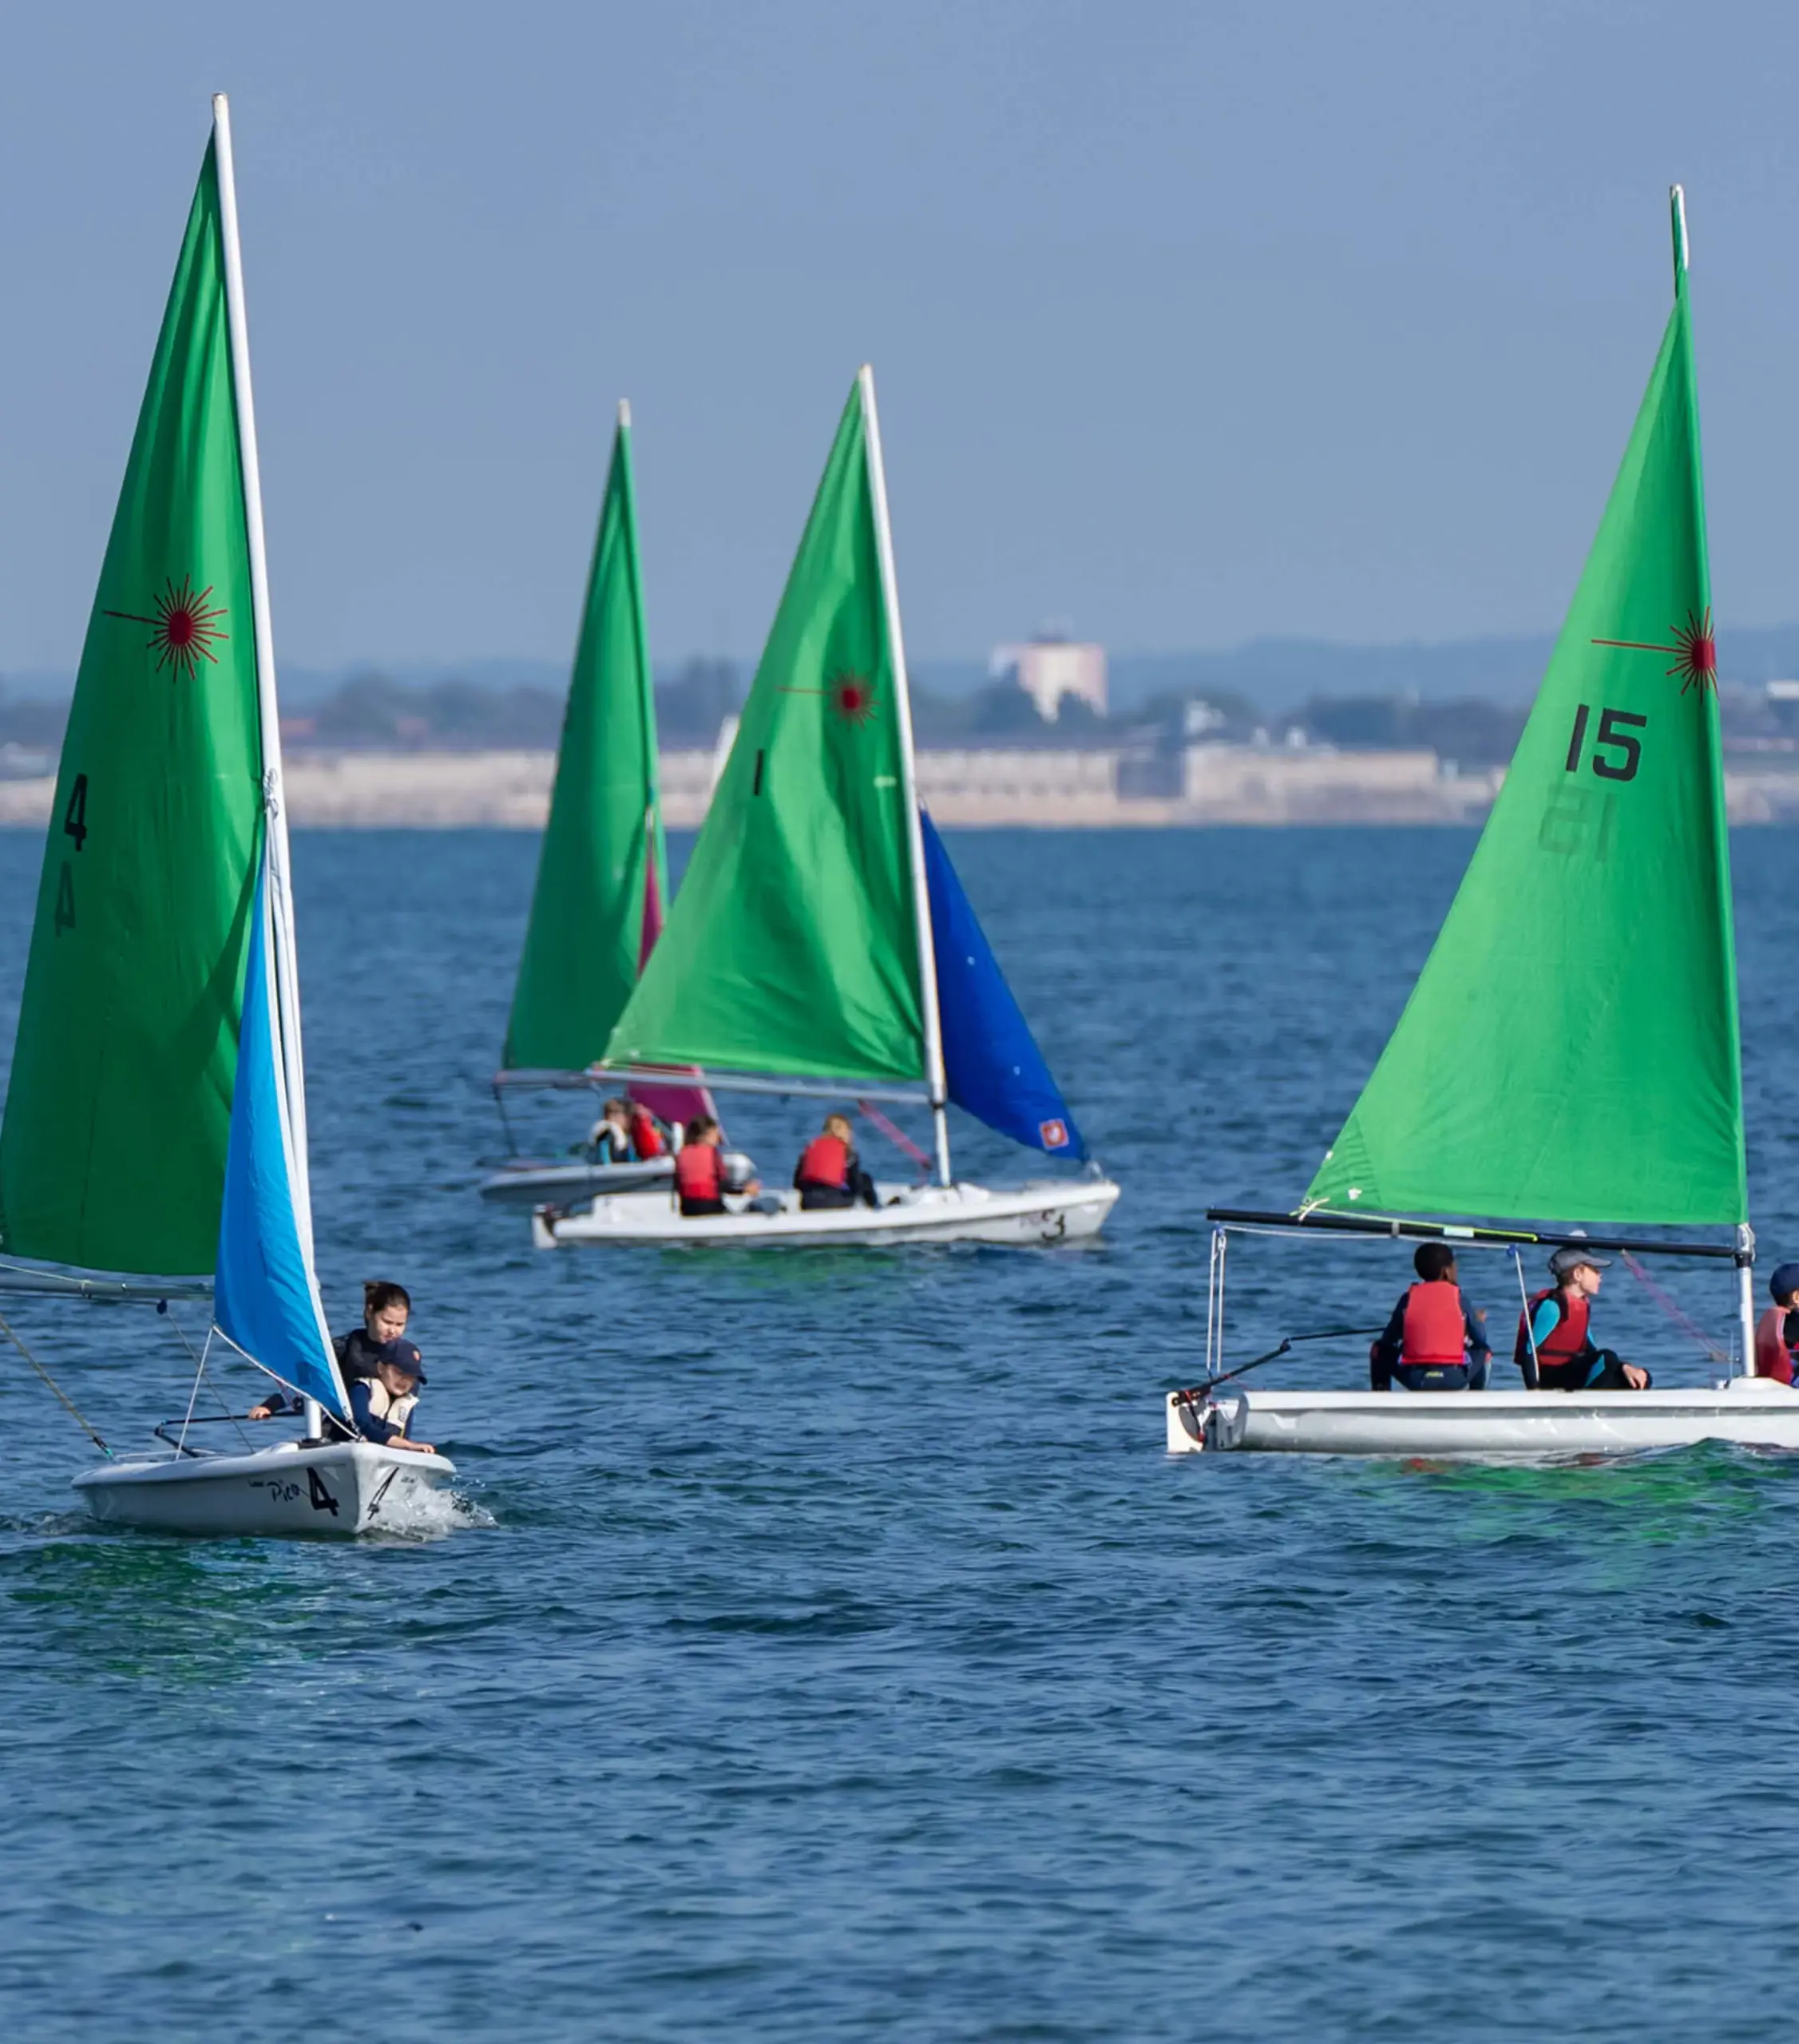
602 874
1569 1051
792 948
118 1108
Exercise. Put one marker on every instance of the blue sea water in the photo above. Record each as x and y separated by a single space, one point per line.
832 1650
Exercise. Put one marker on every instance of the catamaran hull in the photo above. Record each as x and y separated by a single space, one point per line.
1754 1411
566 1184
1050 1210
348 1488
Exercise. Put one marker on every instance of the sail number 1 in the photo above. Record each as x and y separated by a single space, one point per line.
1617 749
75 825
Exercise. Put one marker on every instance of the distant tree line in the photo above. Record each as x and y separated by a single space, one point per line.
373 712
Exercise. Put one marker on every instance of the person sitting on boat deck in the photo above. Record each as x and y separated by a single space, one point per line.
703 1175
386 1308
828 1173
1435 1341
648 1137
1777 1331
382 1404
608 1140
1555 1347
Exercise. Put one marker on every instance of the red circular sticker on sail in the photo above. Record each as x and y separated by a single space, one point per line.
852 697
184 628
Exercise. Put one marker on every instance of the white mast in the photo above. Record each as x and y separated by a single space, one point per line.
909 784
286 988
1746 1235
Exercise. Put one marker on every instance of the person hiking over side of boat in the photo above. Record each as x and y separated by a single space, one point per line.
1554 1348
1434 1341
1777 1331
828 1173
704 1174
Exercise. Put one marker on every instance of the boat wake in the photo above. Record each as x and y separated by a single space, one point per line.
423 1514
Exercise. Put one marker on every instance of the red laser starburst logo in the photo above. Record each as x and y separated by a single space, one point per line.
1694 651
850 695
184 628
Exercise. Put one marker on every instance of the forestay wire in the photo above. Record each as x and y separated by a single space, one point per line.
68 1404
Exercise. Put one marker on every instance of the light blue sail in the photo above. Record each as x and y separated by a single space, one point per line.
991 1062
265 1297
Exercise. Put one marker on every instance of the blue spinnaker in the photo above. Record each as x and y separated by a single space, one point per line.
265 1297
991 1061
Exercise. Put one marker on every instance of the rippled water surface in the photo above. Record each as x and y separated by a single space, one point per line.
832 1650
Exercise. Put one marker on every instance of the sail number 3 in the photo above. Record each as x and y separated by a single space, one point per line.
75 825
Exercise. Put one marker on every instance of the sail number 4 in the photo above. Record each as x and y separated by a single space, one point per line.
1617 749
75 825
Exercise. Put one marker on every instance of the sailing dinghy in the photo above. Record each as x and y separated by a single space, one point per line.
1570 1048
821 946
156 1115
602 874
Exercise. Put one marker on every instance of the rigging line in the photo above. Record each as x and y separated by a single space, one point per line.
1517 1257
198 1359
1674 1312
68 1403
896 1136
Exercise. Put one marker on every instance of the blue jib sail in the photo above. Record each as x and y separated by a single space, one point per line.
991 1061
265 1299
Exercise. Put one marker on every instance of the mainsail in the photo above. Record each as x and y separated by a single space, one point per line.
602 874
1570 1048
794 945
156 1118
118 1110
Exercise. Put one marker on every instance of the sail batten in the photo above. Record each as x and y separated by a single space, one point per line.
1571 1050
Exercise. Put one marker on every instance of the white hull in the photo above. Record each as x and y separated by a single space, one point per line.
1754 1411
564 1184
349 1487
1049 1210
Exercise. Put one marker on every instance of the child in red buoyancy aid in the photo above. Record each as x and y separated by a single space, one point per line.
1777 1331
1554 1348
1434 1341
701 1176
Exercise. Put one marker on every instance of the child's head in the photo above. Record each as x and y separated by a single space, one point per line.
838 1125
1783 1286
1434 1261
616 1111
386 1309
400 1378
702 1128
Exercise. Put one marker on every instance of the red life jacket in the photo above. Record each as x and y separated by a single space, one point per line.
1773 1358
646 1138
825 1162
1565 1341
699 1171
1435 1328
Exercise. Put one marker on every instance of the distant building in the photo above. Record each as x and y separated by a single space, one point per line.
1049 668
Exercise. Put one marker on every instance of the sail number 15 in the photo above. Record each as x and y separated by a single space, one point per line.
1617 749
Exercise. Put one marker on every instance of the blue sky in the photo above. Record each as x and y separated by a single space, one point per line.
1191 323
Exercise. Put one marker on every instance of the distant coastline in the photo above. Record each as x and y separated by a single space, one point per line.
1031 787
